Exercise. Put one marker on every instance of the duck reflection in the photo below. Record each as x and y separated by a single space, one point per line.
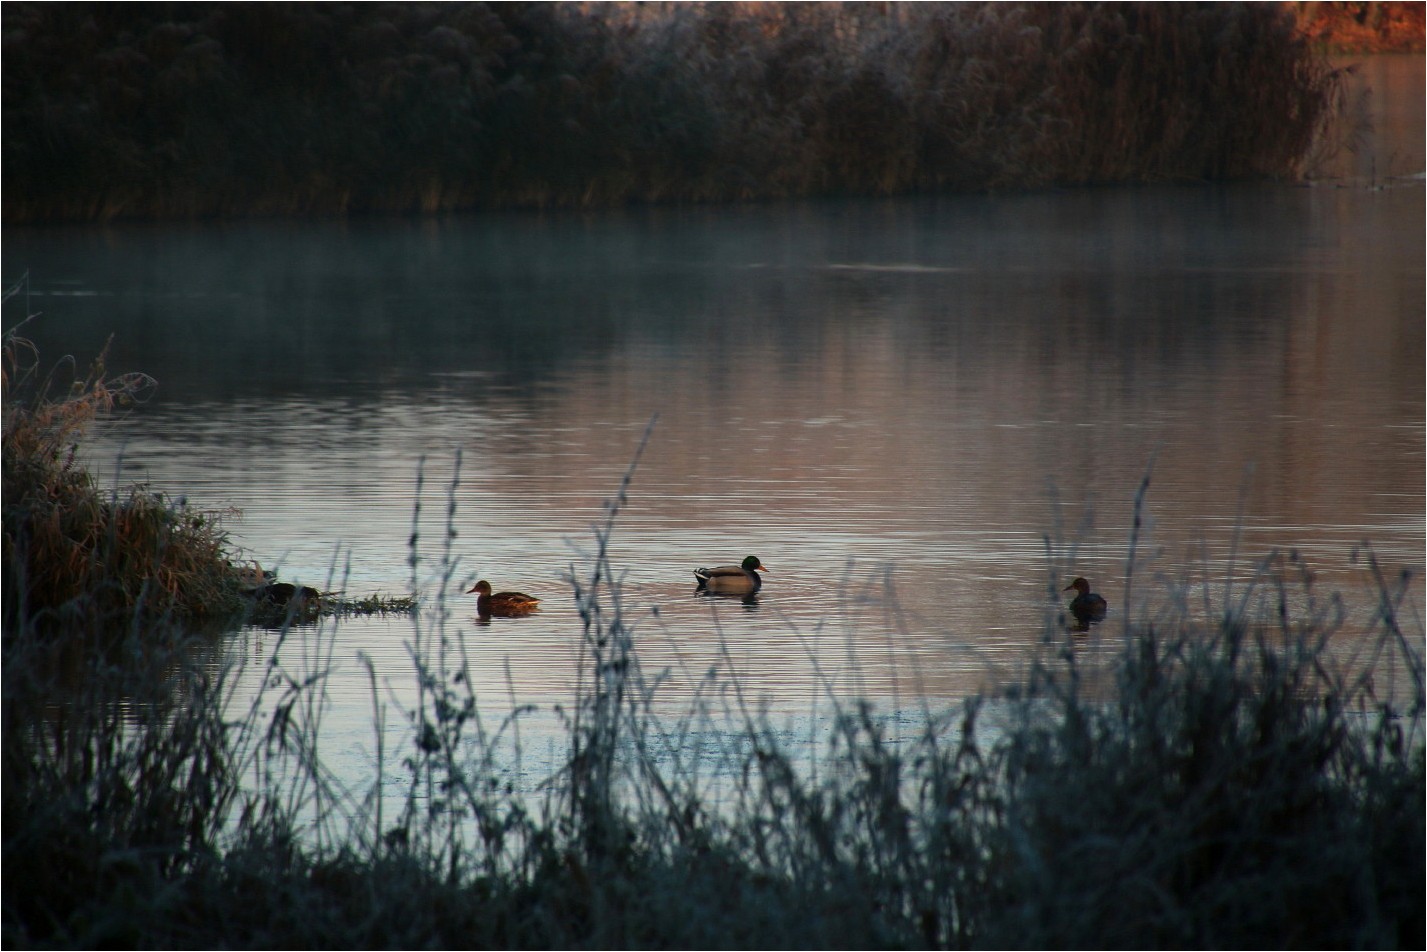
749 600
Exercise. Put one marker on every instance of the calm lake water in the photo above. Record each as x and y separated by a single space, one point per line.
926 416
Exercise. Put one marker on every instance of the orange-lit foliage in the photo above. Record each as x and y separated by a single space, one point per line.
1365 27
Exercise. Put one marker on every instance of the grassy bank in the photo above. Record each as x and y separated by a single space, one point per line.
201 110
1229 784
72 552
77 558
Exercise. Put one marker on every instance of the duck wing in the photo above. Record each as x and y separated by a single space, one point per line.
515 598
721 573
1088 607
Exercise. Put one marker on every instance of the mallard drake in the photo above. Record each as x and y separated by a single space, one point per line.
1086 606
732 579
502 603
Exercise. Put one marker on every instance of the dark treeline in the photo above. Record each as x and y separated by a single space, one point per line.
191 110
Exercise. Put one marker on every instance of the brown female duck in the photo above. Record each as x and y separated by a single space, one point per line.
502 603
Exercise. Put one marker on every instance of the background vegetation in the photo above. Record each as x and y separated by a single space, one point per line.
190 110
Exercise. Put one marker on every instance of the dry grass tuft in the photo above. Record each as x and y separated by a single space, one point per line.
69 550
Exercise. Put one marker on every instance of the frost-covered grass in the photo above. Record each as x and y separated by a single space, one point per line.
1229 786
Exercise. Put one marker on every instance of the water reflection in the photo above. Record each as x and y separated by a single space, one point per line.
929 414
1384 105
748 601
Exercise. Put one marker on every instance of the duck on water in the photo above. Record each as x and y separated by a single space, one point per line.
1085 606
742 579
505 604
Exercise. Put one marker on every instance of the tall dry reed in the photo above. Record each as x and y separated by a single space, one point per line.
1230 785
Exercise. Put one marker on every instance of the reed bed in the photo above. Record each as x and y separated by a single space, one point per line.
1229 785
206 110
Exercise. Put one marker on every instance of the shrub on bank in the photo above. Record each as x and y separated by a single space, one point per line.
70 549
79 559
137 111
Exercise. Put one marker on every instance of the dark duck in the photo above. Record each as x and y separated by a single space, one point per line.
1085 606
